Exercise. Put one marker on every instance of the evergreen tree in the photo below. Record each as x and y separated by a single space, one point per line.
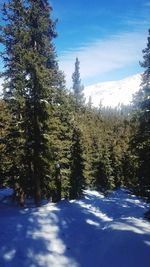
60 142
44 80
34 79
141 140
104 177
13 36
5 121
77 164
66 120
77 87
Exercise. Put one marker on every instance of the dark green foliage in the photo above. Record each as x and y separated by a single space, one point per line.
106 135
77 182
34 79
77 164
60 141
104 177
140 145
77 87
11 37
130 164
5 121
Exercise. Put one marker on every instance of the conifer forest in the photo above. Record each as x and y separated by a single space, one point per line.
53 144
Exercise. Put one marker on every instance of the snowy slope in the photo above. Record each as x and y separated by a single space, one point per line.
1 88
95 231
114 92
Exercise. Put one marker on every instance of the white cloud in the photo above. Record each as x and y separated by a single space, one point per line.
105 55
147 4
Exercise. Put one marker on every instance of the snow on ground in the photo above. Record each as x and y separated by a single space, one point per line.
95 231
5 193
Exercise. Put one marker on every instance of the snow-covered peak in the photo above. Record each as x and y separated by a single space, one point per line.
113 93
1 87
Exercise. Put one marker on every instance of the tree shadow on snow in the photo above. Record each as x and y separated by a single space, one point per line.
92 240
30 238
85 233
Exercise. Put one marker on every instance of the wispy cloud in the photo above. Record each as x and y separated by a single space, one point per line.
147 4
103 56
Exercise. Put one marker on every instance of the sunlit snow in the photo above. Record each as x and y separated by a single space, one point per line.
94 231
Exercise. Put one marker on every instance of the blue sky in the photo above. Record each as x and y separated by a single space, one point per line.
107 36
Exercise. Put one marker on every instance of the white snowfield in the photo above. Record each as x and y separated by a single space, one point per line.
113 93
1 87
95 231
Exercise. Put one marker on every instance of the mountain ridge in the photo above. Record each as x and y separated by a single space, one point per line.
113 93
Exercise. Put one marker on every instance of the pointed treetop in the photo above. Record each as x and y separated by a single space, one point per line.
77 87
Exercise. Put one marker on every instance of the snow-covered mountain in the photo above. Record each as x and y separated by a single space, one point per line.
1 88
113 93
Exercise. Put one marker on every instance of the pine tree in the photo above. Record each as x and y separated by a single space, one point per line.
13 38
5 121
33 78
77 87
60 142
77 182
104 177
77 162
66 120
141 141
